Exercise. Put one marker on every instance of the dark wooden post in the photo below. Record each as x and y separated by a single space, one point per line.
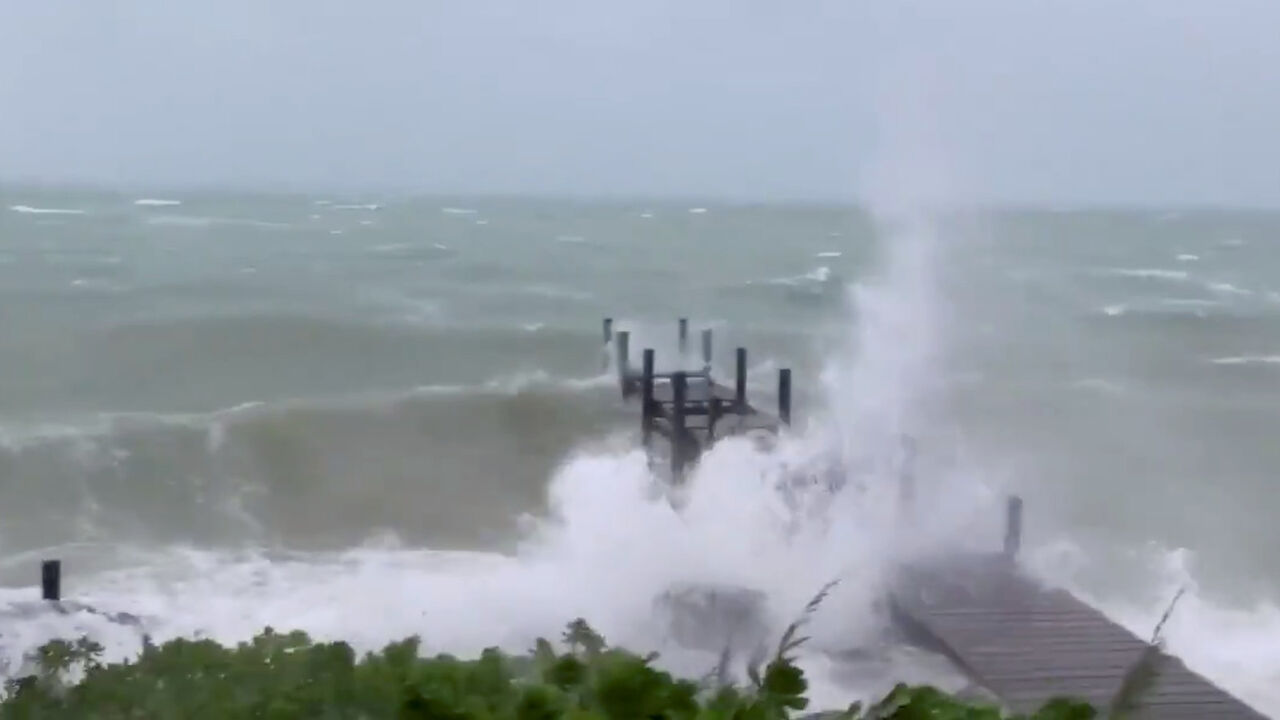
740 381
784 395
1013 526
706 351
714 410
608 329
51 580
622 342
678 387
646 399
684 336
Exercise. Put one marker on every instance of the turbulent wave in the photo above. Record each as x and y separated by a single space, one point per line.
376 478
448 465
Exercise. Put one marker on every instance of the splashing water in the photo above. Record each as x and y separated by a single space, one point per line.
610 544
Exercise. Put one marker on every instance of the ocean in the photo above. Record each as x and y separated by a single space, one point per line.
369 417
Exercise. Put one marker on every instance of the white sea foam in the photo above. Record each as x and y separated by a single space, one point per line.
156 202
1188 257
457 211
697 210
829 254
29 210
1247 360
1227 288
1149 273
360 206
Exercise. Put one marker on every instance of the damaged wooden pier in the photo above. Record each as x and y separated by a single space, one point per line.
1019 641
688 407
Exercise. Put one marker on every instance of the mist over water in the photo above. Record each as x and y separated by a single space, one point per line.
226 415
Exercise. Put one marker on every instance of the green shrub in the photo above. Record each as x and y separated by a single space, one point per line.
284 676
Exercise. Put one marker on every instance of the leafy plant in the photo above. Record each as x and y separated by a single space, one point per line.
284 676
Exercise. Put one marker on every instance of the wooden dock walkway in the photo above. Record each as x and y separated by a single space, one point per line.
689 408
1025 643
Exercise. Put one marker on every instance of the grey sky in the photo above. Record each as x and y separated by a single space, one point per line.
1165 101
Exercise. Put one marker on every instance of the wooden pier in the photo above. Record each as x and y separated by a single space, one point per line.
1021 642
1025 643
688 407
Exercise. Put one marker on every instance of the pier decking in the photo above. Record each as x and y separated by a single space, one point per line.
1026 643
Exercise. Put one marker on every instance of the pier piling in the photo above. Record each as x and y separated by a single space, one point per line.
51 580
740 380
1013 526
646 398
622 342
784 395
679 394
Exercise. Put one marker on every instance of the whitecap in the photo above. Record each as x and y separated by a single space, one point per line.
1188 257
1247 360
1227 289
457 211
1149 273
1114 310
697 210
156 202
29 210
829 254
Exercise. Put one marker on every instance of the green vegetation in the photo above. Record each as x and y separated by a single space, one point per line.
284 676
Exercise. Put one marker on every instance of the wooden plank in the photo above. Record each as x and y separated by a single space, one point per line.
1027 643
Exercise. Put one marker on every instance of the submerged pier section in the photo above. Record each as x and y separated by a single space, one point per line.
688 407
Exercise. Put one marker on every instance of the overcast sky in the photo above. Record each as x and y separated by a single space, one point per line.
1054 101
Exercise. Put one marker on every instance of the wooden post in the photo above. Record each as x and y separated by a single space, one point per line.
608 330
1013 526
646 399
740 381
714 411
907 476
622 342
784 395
706 351
684 336
678 388
51 580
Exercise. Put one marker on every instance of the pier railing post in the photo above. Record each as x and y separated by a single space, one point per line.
646 398
706 351
622 342
51 580
1013 526
740 381
784 395
608 329
679 385
684 336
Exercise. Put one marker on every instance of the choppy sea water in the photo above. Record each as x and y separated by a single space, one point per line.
371 417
